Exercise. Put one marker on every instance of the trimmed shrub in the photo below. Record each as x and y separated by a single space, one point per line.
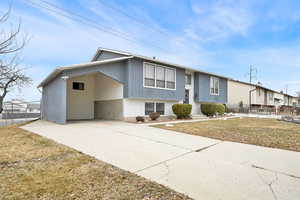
208 109
220 109
140 119
211 109
182 111
154 115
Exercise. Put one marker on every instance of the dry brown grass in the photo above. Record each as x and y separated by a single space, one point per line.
262 132
32 167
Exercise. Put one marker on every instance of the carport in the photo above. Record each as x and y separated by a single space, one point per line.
85 91
94 96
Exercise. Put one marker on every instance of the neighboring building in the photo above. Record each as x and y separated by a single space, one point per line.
15 105
120 85
20 106
238 92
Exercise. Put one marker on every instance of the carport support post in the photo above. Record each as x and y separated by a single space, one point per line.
64 98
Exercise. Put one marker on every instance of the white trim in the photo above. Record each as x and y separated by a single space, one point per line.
155 87
211 79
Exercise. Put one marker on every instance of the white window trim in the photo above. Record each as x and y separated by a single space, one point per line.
215 94
157 65
155 102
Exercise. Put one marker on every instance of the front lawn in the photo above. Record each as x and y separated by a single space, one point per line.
33 167
257 131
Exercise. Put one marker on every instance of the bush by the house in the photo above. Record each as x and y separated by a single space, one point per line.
220 109
182 111
140 119
211 109
154 115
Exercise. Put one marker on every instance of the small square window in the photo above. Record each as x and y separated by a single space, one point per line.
149 108
160 108
78 86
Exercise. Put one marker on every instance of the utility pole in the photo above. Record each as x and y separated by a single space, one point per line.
251 74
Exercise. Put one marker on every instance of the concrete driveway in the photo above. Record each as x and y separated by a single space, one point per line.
200 167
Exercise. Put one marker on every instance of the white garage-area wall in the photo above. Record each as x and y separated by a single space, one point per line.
80 103
107 88
136 107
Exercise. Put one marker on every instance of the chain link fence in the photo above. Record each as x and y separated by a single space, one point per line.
18 111
265 110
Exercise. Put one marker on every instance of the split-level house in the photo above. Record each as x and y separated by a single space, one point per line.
120 86
255 95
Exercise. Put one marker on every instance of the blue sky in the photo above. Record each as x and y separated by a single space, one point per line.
220 36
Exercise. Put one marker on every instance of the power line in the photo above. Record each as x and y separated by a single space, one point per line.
135 19
84 20
153 28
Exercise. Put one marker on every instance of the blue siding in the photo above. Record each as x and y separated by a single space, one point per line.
202 89
114 70
108 55
54 99
137 90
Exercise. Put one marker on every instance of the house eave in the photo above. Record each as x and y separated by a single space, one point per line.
58 70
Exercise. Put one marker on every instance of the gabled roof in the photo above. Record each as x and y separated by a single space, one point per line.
58 70
152 60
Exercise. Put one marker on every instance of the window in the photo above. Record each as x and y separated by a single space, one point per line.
188 79
154 107
170 78
78 86
149 73
149 108
160 108
214 86
271 96
159 76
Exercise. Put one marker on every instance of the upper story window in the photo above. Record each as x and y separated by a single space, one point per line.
149 75
214 86
271 96
78 86
158 76
188 79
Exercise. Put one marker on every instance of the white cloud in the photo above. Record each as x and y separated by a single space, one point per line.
219 20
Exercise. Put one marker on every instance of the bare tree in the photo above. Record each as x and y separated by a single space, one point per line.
12 76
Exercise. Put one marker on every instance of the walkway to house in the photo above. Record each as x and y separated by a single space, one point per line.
200 167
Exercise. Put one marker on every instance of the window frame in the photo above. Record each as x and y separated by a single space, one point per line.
155 69
155 104
79 88
212 78
271 96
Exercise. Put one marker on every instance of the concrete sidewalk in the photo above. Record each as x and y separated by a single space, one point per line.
200 167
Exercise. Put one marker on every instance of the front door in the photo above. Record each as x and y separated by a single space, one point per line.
187 97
